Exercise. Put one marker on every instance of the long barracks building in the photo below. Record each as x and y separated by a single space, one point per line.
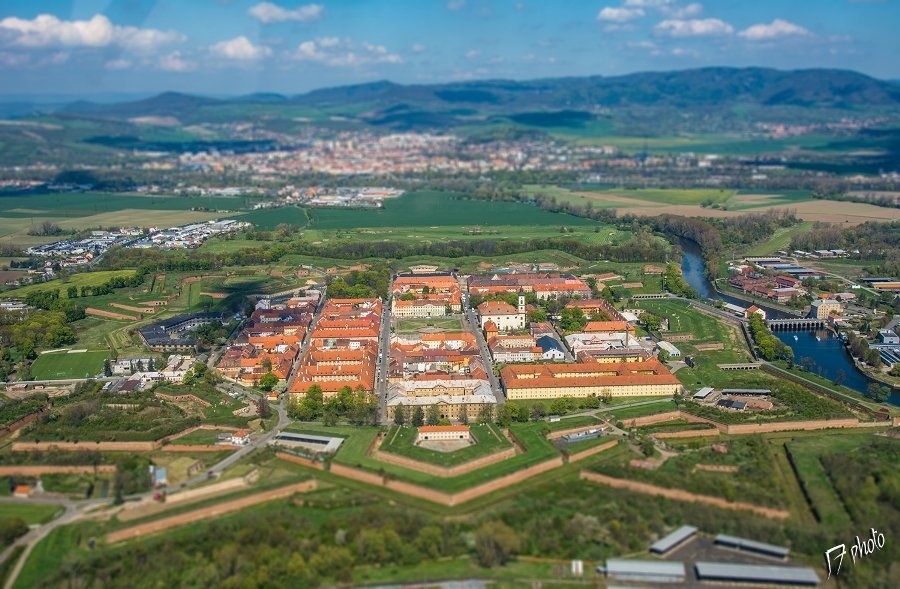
588 379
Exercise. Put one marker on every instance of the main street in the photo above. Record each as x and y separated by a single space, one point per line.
305 345
384 351
483 350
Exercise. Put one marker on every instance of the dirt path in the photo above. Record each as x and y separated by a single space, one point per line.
681 495
150 507
131 308
110 314
208 512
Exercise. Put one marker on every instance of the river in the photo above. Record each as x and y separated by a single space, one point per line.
829 358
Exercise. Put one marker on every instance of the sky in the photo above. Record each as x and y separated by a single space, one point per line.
234 47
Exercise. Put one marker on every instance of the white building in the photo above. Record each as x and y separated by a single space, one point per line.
502 314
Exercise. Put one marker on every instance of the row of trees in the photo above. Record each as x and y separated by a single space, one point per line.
769 346
358 407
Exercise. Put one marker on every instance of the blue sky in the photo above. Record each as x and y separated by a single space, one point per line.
231 47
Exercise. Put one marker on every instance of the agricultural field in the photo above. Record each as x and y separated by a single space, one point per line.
68 364
88 210
719 203
589 234
438 209
401 440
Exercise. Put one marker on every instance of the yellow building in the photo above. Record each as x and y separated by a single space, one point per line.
589 379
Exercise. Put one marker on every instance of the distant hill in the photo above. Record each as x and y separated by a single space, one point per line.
685 88
694 100
173 104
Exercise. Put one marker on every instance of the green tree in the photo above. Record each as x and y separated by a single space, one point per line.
572 319
418 417
262 408
107 369
399 415
434 415
268 381
495 544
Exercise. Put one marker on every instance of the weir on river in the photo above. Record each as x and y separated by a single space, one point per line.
795 324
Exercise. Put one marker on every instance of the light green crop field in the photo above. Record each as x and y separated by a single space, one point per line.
780 240
480 228
61 365
428 208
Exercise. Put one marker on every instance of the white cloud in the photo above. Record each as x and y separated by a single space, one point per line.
472 53
647 3
620 14
687 11
336 52
267 13
117 64
46 30
418 48
777 28
694 27
13 59
173 62
682 52
240 49
456 4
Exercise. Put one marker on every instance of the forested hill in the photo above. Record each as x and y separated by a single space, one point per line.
679 89
684 89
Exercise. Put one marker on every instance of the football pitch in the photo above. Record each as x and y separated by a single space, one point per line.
68 364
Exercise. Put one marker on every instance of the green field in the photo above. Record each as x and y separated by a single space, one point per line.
401 440
268 219
77 280
428 208
780 240
805 454
61 365
201 436
32 513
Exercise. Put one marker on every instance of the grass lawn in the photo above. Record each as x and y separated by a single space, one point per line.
59 365
201 436
649 409
32 513
437 323
401 440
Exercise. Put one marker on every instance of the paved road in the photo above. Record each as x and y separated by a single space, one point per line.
475 328
305 345
384 352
